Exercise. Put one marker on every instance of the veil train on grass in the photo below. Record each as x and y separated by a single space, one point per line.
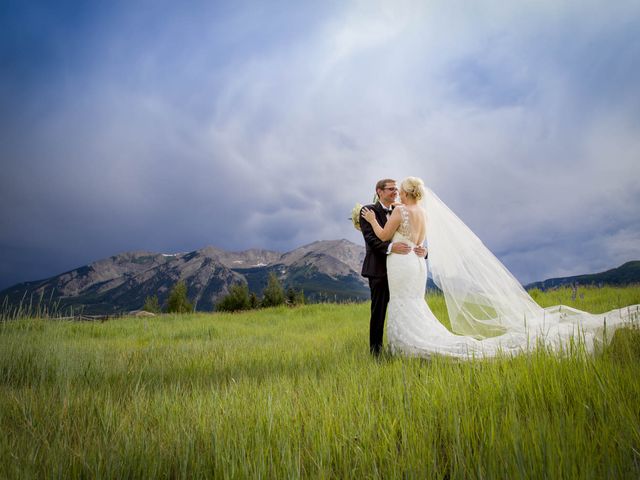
485 300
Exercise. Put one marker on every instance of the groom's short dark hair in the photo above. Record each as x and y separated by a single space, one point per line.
383 183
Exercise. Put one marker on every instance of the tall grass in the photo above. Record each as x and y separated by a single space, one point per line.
292 392
39 307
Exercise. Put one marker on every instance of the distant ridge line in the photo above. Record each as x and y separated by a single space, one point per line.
325 270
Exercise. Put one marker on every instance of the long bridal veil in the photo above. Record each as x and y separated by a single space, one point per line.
485 300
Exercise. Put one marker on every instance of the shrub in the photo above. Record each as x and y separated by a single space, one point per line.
237 299
151 304
295 297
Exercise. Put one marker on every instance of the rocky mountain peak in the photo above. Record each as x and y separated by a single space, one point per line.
342 250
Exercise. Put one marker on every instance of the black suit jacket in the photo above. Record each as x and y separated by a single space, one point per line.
375 259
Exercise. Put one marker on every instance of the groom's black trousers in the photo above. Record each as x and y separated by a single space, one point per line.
379 299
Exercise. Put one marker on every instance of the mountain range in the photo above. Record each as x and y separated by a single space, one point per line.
327 270
324 270
626 274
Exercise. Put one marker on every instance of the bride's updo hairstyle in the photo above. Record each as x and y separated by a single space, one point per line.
413 187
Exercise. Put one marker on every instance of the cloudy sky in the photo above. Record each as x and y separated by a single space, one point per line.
168 126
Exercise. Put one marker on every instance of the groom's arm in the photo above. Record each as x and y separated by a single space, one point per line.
372 240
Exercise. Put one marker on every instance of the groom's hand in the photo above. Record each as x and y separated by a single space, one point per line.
401 248
420 251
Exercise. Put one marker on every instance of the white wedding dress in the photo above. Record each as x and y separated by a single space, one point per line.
489 311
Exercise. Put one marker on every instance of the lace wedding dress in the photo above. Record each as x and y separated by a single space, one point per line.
489 311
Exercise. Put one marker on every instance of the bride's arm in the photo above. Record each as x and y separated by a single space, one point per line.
390 227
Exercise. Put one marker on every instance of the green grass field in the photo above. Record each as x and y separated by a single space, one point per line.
293 392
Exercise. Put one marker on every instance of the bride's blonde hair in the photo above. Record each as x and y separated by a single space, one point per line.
413 187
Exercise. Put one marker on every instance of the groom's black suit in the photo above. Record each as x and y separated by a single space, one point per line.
375 269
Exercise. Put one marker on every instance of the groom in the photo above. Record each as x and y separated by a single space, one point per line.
375 261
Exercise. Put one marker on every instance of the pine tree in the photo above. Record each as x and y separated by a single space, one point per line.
178 300
273 294
253 300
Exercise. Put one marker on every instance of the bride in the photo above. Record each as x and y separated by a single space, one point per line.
490 312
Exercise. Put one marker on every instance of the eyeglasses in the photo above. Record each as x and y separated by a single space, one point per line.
391 189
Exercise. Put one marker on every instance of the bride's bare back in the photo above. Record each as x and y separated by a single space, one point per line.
413 225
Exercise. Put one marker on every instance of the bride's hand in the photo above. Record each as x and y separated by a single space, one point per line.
368 215
420 251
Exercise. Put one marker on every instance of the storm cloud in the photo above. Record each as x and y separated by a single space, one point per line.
169 126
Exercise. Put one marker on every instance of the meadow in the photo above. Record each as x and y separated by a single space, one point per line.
292 392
